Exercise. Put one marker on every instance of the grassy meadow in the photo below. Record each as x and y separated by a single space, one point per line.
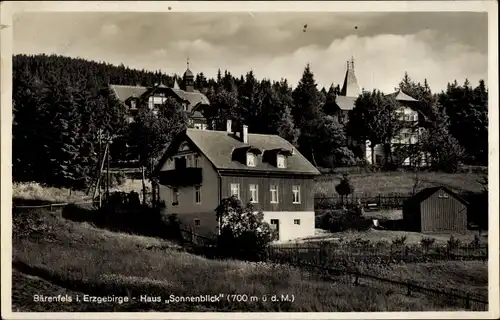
76 258
54 255
385 183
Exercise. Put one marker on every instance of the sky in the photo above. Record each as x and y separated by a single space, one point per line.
438 46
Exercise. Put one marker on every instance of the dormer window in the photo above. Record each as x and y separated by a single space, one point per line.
250 159
132 104
280 161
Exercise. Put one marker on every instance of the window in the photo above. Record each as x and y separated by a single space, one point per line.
132 104
250 160
274 194
175 196
189 161
281 161
275 221
197 222
185 107
235 190
254 193
443 195
197 194
296 194
296 221
196 161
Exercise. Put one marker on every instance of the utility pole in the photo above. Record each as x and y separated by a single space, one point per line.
107 168
99 168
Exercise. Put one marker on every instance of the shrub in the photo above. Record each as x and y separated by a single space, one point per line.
426 243
399 241
476 243
342 220
345 187
453 243
173 228
243 233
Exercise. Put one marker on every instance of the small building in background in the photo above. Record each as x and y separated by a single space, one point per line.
435 209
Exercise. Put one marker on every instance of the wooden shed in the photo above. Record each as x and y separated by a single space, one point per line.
435 209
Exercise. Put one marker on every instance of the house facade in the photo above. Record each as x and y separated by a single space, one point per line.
435 209
193 101
202 167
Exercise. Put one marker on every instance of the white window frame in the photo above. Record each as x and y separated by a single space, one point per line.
281 164
196 161
197 194
295 222
196 220
250 156
296 191
273 189
254 188
233 187
175 195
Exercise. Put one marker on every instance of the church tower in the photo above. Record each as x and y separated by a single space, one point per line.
188 79
350 87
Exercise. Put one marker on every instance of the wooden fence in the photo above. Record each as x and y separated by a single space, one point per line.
394 201
52 206
471 301
387 254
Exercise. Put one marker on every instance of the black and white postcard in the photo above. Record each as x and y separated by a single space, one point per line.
258 159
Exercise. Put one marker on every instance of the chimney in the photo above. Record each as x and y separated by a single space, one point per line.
229 126
244 134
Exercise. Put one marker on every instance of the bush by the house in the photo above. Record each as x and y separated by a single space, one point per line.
243 233
426 243
343 220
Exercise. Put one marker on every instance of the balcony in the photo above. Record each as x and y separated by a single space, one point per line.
181 177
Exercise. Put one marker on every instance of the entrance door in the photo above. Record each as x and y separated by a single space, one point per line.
275 225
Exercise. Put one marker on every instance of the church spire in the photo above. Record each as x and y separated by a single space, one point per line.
350 87
188 79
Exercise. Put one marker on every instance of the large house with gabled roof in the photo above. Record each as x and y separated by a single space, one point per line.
202 167
193 101
408 113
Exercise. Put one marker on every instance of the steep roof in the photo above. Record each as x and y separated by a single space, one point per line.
345 103
125 92
193 98
427 192
350 87
188 73
401 96
218 146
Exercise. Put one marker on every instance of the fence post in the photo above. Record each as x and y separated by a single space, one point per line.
408 292
467 301
50 207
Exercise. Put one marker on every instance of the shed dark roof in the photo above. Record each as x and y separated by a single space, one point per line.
218 146
427 192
